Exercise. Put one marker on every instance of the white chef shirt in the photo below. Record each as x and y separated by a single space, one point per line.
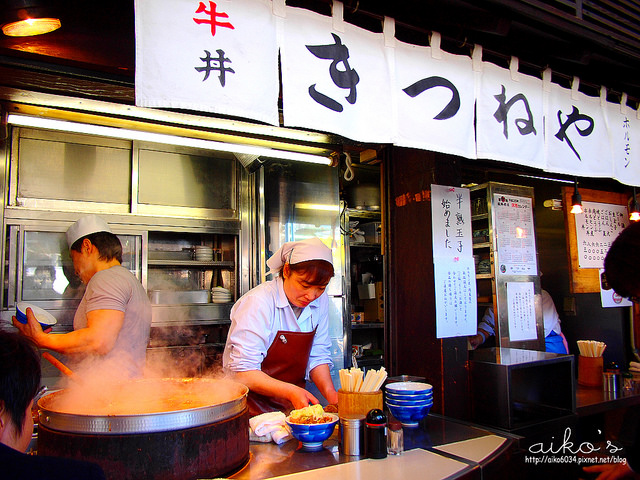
260 313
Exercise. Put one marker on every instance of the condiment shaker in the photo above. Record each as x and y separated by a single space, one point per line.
352 434
395 438
376 434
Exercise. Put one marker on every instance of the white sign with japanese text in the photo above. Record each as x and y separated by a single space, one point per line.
521 311
610 299
219 57
515 234
510 114
456 303
577 140
222 57
451 221
335 81
596 229
624 130
453 265
435 100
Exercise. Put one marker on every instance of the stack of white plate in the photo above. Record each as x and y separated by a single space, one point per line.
220 295
203 253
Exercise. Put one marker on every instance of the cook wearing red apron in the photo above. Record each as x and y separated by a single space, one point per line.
279 334
286 360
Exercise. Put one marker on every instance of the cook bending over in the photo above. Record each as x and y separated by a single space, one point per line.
279 334
113 320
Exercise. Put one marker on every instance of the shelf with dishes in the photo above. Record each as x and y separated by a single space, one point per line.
190 263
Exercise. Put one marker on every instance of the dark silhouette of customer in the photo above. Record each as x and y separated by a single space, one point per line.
19 382
622 273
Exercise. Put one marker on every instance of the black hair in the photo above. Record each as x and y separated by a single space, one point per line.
19 374
107 243
316 272
622 263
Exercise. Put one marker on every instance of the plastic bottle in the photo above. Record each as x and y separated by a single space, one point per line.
376 434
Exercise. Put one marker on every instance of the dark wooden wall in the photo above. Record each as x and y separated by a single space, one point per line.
412 346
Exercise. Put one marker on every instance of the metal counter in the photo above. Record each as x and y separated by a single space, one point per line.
269 460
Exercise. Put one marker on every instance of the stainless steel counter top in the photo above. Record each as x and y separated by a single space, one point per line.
435 437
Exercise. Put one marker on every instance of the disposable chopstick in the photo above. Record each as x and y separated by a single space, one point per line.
591 348
354 379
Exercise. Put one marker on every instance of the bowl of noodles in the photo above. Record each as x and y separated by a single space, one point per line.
311 426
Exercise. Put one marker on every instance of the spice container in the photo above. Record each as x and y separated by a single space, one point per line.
395 438
376 434
352 434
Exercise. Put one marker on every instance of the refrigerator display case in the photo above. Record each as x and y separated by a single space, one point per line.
302 201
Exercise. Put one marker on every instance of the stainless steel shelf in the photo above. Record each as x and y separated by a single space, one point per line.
360 326
189 263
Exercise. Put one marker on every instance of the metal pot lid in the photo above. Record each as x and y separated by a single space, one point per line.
55 419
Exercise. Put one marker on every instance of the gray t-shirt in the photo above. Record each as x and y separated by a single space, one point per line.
116 288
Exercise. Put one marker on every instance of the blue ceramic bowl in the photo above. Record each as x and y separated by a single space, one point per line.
409 416
45 318
415 396
409 403
409 388
312 435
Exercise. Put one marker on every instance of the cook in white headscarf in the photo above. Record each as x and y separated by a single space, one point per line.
281 327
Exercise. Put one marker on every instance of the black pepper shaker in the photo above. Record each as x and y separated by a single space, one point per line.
376 434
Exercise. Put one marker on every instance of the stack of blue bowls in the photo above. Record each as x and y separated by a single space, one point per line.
409 402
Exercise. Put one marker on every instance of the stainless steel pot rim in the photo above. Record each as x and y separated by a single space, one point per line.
142 423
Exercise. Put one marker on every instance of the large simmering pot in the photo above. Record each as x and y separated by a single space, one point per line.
152 428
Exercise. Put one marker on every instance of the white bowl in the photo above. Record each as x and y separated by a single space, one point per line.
409 387
45 318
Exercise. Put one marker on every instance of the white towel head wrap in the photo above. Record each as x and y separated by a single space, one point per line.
296 252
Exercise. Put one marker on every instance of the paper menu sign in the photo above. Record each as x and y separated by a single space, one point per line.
596 229
454 268
515 235
521 311
456 303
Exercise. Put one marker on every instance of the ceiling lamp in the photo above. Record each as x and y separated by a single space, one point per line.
24 18
634 211
576 199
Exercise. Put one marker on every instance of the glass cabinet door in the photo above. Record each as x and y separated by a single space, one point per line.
47 272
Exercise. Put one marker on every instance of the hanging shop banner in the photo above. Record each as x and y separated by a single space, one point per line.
515 233
335 77
222 57
510 114
577 140
624 132
521 311
596 229
453 265
219 57
435 99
